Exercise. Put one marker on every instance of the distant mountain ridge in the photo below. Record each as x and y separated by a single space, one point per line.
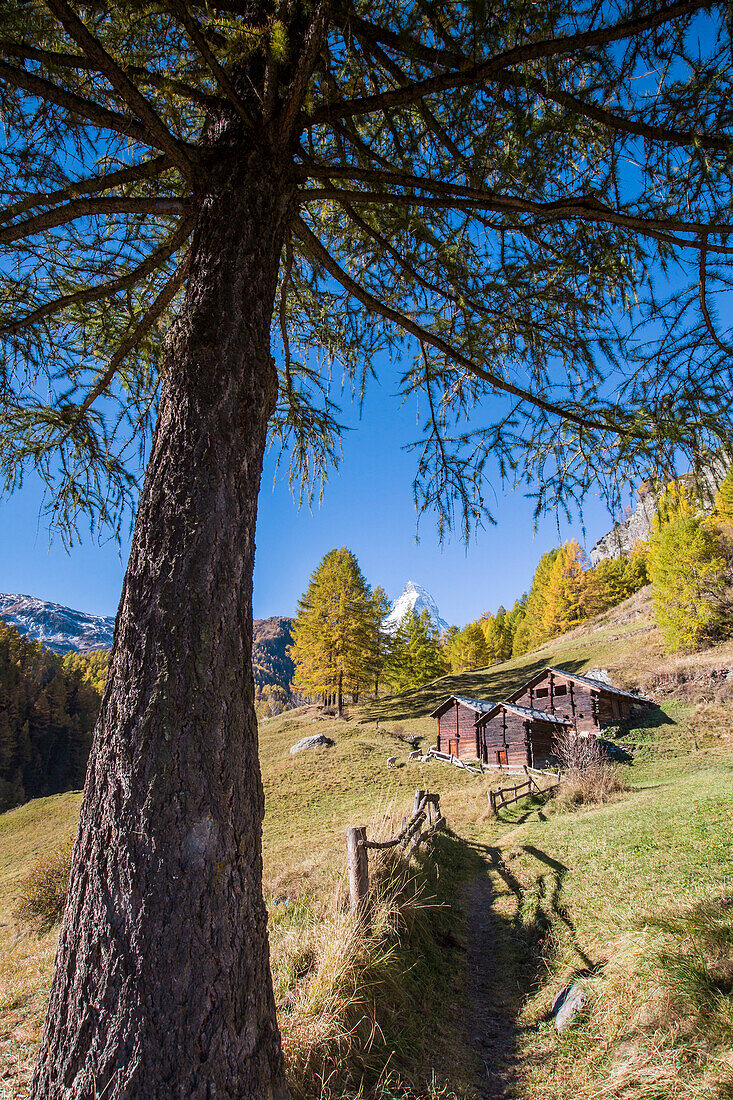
270 658
64 630
58 628
413 598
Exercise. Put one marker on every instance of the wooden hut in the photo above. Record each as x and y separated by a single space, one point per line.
589 704
512 736
456 717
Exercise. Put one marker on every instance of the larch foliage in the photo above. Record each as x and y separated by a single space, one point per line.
334 631
690 583
724 498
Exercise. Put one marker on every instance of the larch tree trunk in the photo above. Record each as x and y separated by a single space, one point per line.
162 987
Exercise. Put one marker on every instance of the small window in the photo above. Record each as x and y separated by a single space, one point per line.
561 689
542 693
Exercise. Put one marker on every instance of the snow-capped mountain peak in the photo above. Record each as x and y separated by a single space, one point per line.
413 598
56 627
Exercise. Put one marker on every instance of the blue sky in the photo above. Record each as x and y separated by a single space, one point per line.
367 506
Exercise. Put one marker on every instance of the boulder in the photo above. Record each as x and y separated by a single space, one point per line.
311 742
568 1005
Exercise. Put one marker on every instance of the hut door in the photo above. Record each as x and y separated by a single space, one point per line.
501 757
453 748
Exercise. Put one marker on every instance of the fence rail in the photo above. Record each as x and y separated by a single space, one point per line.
448 758
498 799
426 810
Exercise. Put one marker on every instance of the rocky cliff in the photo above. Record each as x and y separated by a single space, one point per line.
270 640
638 523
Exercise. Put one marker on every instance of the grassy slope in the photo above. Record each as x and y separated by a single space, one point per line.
576 894
565 885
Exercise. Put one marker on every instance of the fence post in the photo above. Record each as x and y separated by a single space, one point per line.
419 795
358 871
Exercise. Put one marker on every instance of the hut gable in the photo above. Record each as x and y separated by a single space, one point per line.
514 736
590 704
456 719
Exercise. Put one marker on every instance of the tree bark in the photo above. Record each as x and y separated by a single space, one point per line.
162 985
340 695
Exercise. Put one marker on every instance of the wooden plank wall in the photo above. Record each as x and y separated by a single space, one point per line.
458 723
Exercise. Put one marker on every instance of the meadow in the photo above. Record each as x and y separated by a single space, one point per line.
450 993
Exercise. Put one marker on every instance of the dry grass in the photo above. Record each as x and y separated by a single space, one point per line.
379 1016
588 776
664 1005
343 992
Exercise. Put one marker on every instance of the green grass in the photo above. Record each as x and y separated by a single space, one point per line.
601 882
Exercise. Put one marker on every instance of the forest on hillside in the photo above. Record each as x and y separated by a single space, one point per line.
48 707
337 649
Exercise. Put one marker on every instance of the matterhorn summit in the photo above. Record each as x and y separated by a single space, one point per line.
414 598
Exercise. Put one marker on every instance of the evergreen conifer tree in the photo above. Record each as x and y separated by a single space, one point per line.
416 655
380 640
333 633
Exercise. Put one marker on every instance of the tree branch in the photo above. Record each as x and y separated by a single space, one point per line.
146 170
79 63
145 323
671 136
466 199
122 84
374 305
81 208
78 105
181 12
299 83
403 42
105 290
725 348
478 73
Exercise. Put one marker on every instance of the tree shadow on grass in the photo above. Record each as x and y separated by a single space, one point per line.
509 934
511 930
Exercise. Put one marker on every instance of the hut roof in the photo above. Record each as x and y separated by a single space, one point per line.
597 685
526 712
477 705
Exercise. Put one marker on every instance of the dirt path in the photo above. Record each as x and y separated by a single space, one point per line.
489 1030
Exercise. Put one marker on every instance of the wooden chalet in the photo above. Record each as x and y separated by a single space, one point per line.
586 703
457 732
512 736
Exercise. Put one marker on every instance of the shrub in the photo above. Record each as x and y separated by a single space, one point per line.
43 891
589 776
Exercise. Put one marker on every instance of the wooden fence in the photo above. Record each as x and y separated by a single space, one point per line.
498 799
476 768
426 811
